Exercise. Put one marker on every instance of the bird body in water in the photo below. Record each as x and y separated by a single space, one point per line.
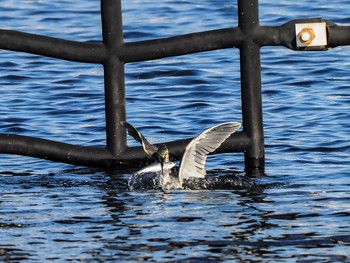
155 177
163 173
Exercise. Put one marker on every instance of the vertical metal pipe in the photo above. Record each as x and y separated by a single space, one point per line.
248 16
112 28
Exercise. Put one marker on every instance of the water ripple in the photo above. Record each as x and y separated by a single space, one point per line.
297 212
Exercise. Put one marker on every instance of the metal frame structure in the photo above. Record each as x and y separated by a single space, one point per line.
249 36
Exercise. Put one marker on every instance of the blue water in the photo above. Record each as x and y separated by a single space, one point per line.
52 212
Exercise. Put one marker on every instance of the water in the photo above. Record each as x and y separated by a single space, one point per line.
53 212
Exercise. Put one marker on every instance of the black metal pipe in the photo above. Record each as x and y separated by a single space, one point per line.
338 35
268 36
101 157
52 47
180 45
131 51
55 151
112 28
160 48
251 85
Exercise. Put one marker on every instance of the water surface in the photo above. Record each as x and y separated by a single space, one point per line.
299 212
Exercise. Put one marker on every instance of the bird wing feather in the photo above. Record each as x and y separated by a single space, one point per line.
195 155
150 149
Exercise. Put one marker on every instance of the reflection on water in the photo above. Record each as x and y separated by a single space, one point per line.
298 211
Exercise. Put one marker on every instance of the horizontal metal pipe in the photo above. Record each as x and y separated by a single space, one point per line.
133 51
268 35
180 45
53 47
54 151
160 48
100 157
338 35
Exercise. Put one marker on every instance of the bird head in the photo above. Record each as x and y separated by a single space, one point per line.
163 155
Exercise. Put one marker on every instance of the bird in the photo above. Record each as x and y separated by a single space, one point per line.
192 165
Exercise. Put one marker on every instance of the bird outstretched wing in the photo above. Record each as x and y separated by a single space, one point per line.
150 149
195 155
